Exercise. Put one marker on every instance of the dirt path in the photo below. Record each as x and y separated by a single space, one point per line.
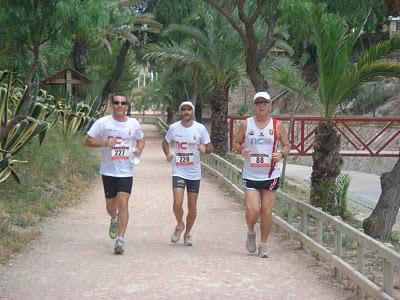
74 257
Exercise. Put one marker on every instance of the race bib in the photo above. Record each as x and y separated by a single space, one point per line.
184 159
120 152
259 160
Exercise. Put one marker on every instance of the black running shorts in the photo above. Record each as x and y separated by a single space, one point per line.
113 185
192 186
272 184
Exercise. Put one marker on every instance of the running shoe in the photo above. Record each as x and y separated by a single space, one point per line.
263 250
176 235
113 231
119 246
251 242
187 240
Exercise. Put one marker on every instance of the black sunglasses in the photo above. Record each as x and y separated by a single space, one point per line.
120 103
262 103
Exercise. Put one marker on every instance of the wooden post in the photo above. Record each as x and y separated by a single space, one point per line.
338 250
68 85
303 225
360 257
388 273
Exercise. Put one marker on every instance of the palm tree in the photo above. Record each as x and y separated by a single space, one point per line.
214 50
132 27
338 76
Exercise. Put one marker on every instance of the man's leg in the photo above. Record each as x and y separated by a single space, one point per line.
252 199
267 204
123 217
177 206
111 195
192 211
178 212
111 204
112 207
123 212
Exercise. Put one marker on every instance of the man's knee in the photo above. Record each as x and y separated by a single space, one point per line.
192 208
266 210
253 212
111 203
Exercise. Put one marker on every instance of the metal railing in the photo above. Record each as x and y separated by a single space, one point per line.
360 136
325 235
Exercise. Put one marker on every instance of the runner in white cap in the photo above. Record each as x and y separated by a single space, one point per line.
257 141
190 138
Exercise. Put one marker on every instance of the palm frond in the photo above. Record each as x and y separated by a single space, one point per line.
378 51
283 71
189 32
357 75
126 33
167 52
334 44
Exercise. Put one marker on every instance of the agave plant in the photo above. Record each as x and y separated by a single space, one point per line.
18 129
76 116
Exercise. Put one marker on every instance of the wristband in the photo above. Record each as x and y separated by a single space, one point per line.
283 154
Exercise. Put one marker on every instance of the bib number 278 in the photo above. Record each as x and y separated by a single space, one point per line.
184 159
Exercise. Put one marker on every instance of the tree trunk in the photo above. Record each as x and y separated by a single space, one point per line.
379 224
170 115
195 85
326 166
27 98
219 125
256 78
80 55
252 66
198 112
116 73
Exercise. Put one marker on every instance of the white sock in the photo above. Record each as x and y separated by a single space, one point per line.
120 237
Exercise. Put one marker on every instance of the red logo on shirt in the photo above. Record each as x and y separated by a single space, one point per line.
181 145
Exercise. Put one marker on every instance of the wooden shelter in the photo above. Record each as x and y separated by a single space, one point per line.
68 77
394 26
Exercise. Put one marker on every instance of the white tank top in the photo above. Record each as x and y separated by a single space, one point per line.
186 163
261 143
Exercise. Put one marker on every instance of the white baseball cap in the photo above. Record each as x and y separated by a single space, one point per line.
262 95
186 103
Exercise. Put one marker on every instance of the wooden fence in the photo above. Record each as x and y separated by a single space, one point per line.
324 234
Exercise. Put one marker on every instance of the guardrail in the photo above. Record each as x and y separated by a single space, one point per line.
325 235
161 124
152 119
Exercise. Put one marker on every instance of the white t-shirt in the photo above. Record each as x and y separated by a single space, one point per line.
117 161
186 161
261 142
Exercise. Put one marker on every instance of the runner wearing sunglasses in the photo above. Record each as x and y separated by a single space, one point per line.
120 138
258 141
